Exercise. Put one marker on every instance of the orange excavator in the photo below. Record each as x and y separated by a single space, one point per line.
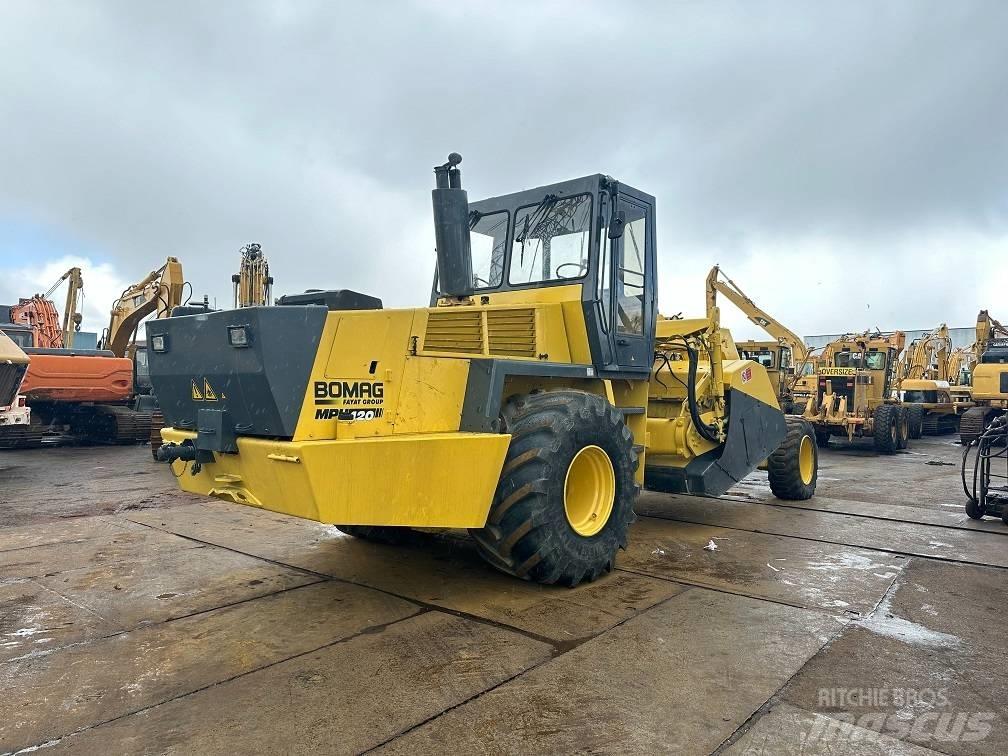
87 395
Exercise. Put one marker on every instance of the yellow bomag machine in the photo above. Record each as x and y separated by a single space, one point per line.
528 403
854 398
990 378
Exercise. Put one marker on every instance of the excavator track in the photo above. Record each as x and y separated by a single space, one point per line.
112 424
973 422
129 426
936 424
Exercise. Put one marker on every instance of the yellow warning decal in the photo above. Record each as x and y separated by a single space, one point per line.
204 392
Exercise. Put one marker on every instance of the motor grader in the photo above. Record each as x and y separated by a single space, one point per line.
854 396
529 403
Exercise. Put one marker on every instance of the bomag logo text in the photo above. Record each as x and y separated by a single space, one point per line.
349 391
349 400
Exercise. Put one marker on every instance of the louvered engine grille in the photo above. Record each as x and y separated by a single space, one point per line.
454 331
510 332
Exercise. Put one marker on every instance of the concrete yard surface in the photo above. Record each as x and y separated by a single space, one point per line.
135 618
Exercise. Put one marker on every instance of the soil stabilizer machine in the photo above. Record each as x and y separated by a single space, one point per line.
528 403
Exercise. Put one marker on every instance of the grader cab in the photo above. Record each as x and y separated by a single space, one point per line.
528 403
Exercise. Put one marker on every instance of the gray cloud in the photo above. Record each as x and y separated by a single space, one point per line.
857 133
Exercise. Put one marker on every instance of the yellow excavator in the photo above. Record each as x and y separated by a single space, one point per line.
990 378
158 293
925 387
787 360
528 403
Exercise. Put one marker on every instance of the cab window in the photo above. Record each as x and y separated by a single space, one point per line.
875 360
488 240
630 273
551 240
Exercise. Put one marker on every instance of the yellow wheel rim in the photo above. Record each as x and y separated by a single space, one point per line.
589 491
806 459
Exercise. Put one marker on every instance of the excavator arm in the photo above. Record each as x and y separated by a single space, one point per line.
751 310
159 292
927 357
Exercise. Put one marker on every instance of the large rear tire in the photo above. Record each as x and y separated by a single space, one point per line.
886 428
902 427
915 417
794 467
566 492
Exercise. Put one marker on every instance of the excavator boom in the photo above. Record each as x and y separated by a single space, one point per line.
784 335
159 292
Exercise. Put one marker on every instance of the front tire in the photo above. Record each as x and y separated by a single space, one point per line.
794 467
886 430
566 492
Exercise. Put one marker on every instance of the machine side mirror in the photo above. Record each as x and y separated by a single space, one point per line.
616 224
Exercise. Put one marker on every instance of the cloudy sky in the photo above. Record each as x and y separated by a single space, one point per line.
846 163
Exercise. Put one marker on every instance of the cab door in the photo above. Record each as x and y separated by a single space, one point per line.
632 312
622 310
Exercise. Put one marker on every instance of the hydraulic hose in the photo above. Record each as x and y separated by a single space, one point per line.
994 433
706 431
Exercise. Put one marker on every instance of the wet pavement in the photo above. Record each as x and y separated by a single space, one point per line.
138 619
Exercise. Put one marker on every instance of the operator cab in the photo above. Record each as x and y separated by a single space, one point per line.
593 233
996 353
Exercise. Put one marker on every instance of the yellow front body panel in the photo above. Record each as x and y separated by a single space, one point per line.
425 480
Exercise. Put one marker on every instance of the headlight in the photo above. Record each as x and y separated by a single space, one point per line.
159 343
238 336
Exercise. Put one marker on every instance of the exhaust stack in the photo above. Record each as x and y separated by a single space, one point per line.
451 230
